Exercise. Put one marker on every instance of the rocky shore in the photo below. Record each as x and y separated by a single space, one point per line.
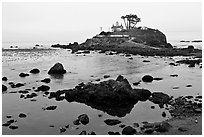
117 98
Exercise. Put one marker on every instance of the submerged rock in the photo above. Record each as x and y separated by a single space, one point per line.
35 71
129 131
57 69
112 122
4 88
147 78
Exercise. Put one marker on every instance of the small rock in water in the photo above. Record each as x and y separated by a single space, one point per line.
43 88
112 122
183 129
129 131
22 115
163 114
145 61
149 131
23 75
11 121
6 124
136 125
174 75
4 88
84 119
62 130
199 97
4 79
31 95
188 85
83 133
97 79
172 64
136 83
106 76
122 126
46 80
92 133
100 115
67 126
8 116
175 88
152 107
76 122
23 91
35 71
158 79
50 108
51 126
147 78
57 69
13 127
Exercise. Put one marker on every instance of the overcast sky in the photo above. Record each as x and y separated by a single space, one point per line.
78 21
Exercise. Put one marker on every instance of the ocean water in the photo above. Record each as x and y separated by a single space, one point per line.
86 68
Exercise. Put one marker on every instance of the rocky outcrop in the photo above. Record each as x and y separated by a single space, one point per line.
116 97
57 69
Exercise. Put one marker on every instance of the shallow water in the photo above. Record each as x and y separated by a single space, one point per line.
86 68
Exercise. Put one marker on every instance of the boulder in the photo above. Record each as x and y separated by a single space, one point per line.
84 119
23 74
57 69
4 88
4 79
112 122
116 97
142 94
147 78
35 71
159 98
129 131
